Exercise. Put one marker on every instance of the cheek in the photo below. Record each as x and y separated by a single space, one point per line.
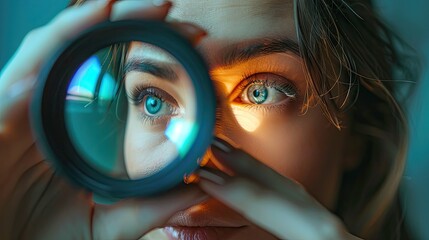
303 148
146 152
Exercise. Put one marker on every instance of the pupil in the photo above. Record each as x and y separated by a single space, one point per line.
258 94
153 105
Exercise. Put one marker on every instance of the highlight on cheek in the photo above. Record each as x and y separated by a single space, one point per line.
247 120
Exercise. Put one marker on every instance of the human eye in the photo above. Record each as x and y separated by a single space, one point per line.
265 90
154 105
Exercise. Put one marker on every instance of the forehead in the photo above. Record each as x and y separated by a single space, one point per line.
238 19
232 22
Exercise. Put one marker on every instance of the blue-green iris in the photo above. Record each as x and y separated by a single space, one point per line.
153 104
257 93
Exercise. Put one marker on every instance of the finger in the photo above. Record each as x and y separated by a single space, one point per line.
75 19
127 10
287 219
246 165
131 219
13 98
190 31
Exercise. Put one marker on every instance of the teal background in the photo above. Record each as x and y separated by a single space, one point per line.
409 18
17 17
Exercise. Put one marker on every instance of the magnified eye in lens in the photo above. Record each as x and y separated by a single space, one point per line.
131 110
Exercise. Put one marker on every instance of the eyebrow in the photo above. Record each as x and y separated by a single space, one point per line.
242 52
157 69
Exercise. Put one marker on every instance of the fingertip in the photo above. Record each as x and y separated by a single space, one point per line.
212 175
208 186
162 3
190 31
235 159
221 150
198 38
224 158
214 182
128 10
222 145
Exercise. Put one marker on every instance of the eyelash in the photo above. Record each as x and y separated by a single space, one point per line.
279 83
140 90
137 92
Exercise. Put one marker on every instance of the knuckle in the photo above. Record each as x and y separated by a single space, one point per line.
35 33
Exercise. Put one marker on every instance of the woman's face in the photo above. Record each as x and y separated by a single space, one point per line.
252 54
161 106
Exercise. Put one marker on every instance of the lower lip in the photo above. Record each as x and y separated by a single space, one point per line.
200 233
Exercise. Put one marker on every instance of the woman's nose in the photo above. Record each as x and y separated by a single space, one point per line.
209 161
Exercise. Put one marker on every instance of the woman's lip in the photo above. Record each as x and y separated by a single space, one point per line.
200 219
200 233
208 214
210 220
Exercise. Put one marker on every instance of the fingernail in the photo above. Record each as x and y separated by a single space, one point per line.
161 3
199 37
191 178
189 30
222 145
193 29
202 161
212 175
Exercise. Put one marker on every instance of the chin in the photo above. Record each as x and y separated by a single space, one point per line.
210 220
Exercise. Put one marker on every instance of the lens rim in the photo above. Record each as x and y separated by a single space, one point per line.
48 118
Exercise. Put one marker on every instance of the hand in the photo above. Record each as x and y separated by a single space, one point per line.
271 201
36 203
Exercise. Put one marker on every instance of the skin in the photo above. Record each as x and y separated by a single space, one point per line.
148 147
36 203
302 147
284 193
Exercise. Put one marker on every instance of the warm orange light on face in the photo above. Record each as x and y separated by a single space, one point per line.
248 121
